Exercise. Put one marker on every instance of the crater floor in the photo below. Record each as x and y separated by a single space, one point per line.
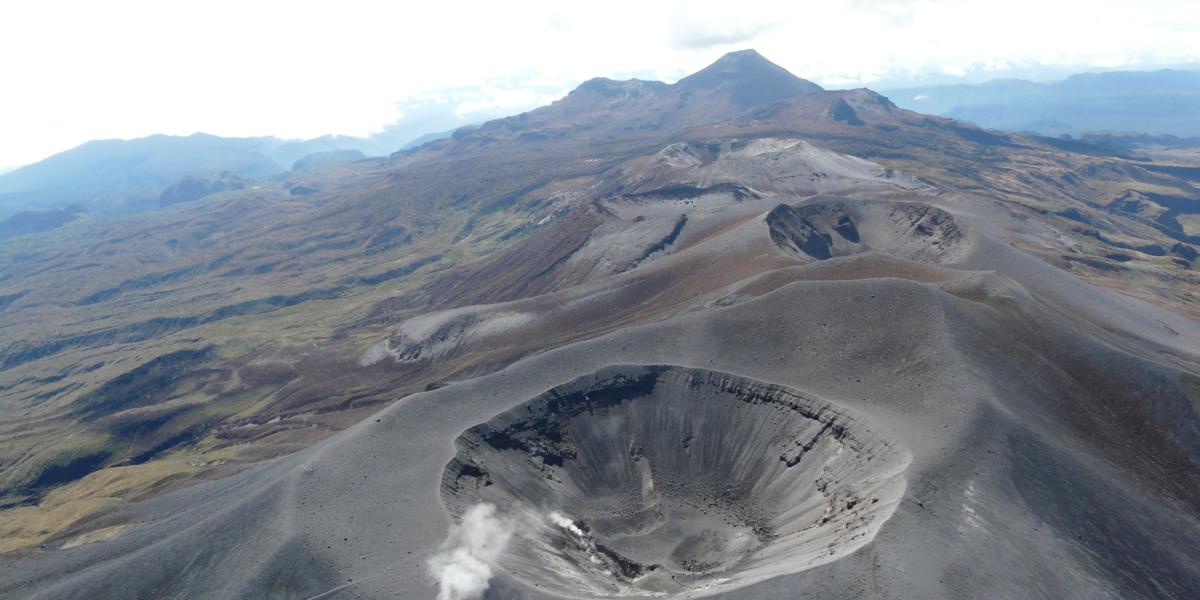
673 481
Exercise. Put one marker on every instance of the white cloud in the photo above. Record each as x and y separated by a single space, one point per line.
492 97
722 25
75 70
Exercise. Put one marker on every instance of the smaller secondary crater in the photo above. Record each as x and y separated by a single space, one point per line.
668 481
827 227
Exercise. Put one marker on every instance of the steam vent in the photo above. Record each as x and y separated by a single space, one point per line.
673 482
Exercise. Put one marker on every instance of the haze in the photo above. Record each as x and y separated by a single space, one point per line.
123 69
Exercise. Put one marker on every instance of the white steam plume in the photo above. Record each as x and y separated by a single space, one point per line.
463 568
564 522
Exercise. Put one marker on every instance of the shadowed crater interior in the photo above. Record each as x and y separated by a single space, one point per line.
828 227
670 481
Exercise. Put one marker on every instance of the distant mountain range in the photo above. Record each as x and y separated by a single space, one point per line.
1155 102
112 177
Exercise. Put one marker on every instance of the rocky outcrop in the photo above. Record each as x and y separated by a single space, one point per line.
192 187
839 110
332 157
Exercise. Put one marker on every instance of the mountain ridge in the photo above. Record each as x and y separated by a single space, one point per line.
1149 102
601 108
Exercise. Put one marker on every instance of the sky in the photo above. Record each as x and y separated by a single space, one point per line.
75 70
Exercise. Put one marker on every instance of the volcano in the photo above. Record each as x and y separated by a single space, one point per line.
736 336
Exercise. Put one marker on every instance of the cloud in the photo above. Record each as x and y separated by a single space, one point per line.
721 26
509 99
700 37
465 564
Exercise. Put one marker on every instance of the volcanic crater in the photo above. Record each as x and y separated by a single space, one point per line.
827 227
675 482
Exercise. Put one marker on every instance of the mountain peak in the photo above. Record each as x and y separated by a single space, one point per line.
751 78
749 55
732 86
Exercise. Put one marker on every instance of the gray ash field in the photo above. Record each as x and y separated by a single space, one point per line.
767 358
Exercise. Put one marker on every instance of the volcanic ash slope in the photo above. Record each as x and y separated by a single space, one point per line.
888 405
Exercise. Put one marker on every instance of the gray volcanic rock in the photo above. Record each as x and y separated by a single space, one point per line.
841 111
791 230
824 227
193 187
